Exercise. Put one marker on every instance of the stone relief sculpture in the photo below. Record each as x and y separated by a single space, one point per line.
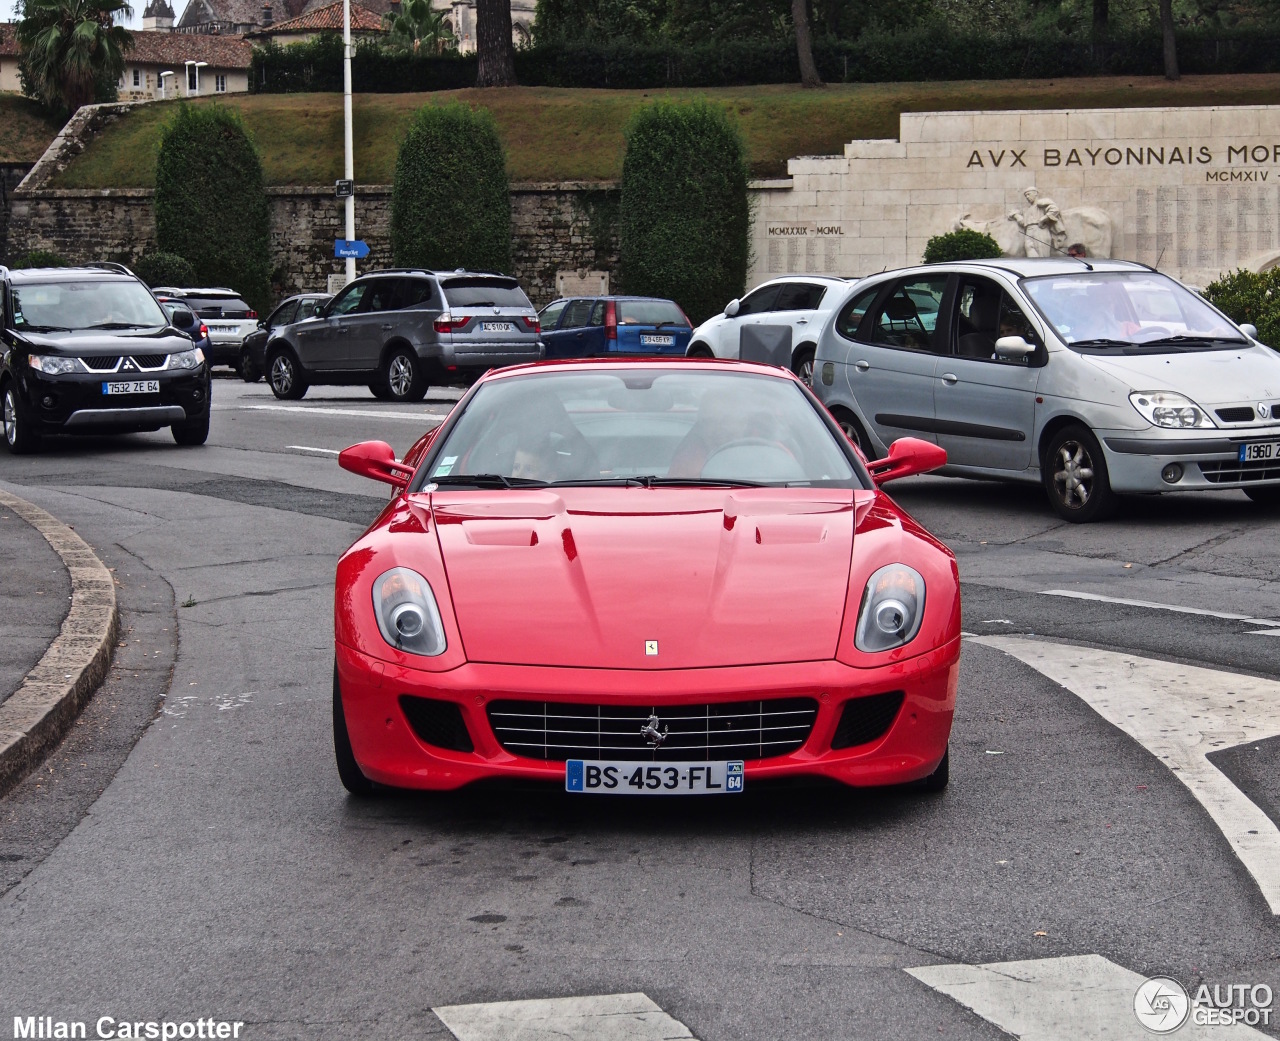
1043 230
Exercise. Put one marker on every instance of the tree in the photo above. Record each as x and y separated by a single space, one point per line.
419 29
497 65
450 202
1101 16
1170 41
684 216
211 202
72 50
965 244
804 44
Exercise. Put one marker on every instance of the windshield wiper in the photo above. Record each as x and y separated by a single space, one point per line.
119 325
479 303
1183 338
485 481
654 481
43 328
1102 341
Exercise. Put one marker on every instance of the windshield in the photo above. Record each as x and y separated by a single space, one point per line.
1129 312
70 306
645 427
650 312
484 292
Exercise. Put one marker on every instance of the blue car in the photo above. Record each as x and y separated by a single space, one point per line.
583 327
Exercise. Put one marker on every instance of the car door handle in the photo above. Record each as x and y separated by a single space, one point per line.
581 335
802 321
949 378
862 366
388 325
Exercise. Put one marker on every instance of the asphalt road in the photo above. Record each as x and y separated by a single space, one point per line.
218 869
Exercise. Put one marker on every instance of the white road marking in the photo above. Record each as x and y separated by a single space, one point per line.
1180 714
601 1017
1086 998
308 448
1077 595
371 413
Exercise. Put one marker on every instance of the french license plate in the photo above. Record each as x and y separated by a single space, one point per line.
131 387
497 327
1266 451
603 777
222 328
657 340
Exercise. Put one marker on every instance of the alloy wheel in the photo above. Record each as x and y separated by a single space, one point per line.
10 418
1073 475
282 374
806 372
400 375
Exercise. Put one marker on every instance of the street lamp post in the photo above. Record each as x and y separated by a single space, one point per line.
348 161
198 66
164 76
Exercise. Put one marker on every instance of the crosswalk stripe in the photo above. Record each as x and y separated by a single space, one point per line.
1180 714
1085 998
1152 605
599 1017
424 416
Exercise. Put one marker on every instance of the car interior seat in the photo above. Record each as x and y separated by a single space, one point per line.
981 341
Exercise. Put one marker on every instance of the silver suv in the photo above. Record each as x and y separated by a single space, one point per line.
399 331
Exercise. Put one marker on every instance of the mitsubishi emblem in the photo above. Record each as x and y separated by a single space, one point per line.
129 365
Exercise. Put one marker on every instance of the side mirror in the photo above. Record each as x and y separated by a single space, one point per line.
375 459
907 456
184 319
1014 348
1249 330
732 308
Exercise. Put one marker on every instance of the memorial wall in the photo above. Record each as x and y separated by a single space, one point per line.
1193 191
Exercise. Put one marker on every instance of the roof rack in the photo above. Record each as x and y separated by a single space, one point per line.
110 265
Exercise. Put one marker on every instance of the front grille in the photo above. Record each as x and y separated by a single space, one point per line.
1229 471
867 719
149 361
1236 414
699 733
102 362
436 722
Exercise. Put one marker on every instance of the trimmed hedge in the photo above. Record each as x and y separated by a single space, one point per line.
211 203
684 214
1245 296
165 269
964 244
877 56
451 203
41 258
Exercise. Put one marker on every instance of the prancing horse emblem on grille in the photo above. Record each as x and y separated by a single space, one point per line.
652 734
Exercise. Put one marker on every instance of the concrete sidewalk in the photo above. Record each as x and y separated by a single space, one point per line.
35 594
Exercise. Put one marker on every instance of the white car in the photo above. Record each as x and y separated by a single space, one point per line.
804 302
228 317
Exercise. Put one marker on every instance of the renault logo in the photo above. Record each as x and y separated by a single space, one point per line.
1264 410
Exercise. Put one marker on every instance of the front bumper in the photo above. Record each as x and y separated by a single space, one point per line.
1209 459
74 403
390 752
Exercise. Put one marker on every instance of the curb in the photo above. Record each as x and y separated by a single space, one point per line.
34 718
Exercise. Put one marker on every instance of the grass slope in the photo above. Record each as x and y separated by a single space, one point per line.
25 129
552 134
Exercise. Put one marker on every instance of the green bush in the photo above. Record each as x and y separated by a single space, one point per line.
165 269
684 216
211 205
1246 296
450 203
41 258
961 245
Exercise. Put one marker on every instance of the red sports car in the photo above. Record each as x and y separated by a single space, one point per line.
643 577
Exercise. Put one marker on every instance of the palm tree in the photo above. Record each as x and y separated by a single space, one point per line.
70 46
420 28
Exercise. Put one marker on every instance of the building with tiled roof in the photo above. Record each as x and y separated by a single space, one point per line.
225 68
364 23
9 57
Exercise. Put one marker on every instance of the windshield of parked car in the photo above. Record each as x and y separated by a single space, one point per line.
651 312
643 427
484 292
1129 312
73 306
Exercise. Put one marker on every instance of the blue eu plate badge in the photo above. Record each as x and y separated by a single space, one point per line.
734 777
573 776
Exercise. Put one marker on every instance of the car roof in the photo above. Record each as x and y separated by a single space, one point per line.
69 274
612 296
833 280
612 364
211 292
1021 267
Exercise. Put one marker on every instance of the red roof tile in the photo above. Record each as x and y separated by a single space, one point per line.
160 48
8 40
329 17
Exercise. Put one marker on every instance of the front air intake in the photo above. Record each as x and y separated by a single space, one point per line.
867 719
436 722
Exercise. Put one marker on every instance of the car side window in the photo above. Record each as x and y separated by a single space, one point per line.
309 308
597 314
381 295
760 301
851 315
349 299
551 314
984 313
576 314
418 293
283 314
799 296
908 319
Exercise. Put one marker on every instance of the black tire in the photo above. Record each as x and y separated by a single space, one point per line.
938 780
20 436
353 780
1074 472
285 376
249 371
852 429
699 350
380 392
402 375
1267 496
193 432
802 363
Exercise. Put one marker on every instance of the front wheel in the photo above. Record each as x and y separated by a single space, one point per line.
938 780
1075 477
853 430
402 376
192 432
285 376
1267 496
802 365
699 350
349 772
250 372
19 435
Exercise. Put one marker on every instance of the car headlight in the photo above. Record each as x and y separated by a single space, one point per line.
408 617
1163 408
891 610
186 359
54 365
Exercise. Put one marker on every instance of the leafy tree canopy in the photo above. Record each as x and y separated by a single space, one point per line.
72 51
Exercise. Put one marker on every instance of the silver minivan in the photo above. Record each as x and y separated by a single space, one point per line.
1091 377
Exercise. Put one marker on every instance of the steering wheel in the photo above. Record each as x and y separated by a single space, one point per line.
1154 332
708 467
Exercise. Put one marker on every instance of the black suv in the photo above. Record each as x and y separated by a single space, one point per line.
88 350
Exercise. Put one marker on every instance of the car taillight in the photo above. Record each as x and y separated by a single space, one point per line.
611 319
252 314
204 331
684 316
446 323
534 324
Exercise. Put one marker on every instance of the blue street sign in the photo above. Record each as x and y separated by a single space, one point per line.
350 248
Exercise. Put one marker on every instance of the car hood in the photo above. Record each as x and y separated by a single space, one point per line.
601 578
1206 377
87 344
